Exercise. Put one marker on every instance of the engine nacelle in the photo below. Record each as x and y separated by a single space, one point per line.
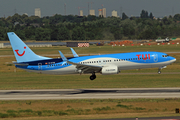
110 70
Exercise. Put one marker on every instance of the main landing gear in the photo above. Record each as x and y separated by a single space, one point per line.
93 76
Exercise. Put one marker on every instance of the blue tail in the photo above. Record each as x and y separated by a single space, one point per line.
21 51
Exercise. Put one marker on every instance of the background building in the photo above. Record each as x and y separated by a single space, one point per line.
81 12
114 13
91 12
38 12
102 12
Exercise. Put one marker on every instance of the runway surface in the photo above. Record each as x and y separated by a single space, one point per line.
114 93
151 118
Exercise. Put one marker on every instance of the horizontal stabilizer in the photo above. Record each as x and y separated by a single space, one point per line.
20 64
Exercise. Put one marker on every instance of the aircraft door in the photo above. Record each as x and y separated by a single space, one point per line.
39 66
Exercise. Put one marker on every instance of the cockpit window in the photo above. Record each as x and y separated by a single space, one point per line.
165 55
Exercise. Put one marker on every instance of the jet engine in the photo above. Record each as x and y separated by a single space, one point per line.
110 70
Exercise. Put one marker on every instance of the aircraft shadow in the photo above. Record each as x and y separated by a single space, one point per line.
87 91
126 91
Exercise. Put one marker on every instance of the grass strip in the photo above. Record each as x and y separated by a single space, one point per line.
45 108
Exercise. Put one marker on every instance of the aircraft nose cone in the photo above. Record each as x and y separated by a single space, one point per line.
173 59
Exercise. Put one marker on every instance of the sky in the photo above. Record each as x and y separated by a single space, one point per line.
159 8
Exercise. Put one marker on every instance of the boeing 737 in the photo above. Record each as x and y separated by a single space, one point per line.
105 64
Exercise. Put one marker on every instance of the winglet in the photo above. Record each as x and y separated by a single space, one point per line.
62 56
74 53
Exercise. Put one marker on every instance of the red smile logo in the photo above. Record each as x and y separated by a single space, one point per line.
20 54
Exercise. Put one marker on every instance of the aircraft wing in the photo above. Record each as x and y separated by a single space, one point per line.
86 68
82 67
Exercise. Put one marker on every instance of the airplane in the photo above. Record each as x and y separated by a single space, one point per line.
105 64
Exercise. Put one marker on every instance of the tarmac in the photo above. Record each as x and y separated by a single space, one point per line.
151 118
95 93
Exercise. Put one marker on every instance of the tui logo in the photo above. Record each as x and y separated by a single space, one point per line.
17 51
144 57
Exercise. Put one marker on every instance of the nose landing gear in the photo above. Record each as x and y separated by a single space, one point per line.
159 70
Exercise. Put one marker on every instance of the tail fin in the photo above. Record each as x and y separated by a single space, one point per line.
21 51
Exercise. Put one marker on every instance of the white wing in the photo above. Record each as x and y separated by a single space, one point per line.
86 68
82 67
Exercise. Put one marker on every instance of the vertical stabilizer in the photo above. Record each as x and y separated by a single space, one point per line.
21 51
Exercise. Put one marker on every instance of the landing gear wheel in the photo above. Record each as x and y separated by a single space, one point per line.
159 72
92 77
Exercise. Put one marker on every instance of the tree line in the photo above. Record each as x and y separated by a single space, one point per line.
70 27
